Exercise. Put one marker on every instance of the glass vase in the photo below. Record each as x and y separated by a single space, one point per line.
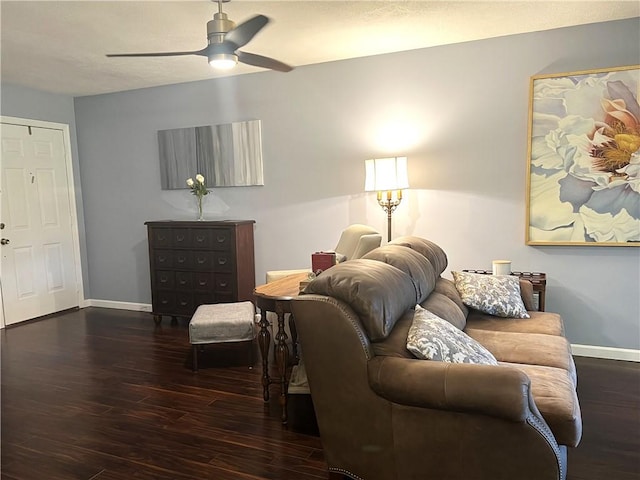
200 216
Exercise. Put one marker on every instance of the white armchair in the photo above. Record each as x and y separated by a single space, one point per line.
356 241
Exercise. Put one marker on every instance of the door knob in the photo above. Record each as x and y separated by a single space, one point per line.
4 241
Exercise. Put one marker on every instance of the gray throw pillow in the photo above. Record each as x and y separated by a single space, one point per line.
432 338
497 295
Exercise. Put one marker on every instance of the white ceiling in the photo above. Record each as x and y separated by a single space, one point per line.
60 46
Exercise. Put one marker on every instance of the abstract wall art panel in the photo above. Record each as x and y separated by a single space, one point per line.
227 155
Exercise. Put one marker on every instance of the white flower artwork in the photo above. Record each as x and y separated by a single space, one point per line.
584 158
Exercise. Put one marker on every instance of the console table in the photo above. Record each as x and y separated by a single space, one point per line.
194 263
276 297
537 279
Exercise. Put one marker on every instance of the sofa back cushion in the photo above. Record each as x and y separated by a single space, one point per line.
433 252
448 289
395 345
378 292
414 264
446 309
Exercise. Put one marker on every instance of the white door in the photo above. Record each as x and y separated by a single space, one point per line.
38 266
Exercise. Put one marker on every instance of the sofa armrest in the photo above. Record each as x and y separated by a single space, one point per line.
496 391
366 244
526 292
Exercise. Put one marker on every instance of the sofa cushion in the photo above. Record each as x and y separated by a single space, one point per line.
497 295
446 309
555 396
448 288
528 348
432 338
538 322
417 266
433 252
379 293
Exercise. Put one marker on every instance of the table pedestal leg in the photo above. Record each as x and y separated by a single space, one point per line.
282 359
264 342
294 338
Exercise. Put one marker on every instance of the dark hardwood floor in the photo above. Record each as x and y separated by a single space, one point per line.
104 394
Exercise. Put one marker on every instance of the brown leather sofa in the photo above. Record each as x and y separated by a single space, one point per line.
385 415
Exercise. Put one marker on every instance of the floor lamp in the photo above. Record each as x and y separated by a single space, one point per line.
387 175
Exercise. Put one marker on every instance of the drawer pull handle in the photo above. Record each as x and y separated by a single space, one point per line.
162 259
200 238
222 261
221 239
182 282
202 283
183 303
164 302
202 260
223 284
180 238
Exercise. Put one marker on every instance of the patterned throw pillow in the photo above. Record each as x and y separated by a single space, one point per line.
497 295
432 338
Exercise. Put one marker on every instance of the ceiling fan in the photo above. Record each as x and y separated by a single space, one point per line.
225 38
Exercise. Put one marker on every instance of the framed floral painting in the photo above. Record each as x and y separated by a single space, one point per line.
583 175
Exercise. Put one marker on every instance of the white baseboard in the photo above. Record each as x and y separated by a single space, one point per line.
611 353
136 307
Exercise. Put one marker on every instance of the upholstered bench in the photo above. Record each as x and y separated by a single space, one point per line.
222 323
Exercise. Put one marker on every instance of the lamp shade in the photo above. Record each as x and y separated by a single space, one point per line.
386 174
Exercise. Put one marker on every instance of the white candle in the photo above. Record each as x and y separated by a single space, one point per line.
502 267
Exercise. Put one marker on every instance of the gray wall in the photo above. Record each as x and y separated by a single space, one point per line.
458 112
27 103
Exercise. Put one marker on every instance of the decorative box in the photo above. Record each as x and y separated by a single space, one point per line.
320 261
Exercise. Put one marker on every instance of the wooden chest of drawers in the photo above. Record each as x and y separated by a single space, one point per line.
195 263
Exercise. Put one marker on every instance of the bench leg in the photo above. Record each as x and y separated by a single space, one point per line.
195 357
251 357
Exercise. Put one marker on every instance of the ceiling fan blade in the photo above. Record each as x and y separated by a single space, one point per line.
159 54
264 62
243 33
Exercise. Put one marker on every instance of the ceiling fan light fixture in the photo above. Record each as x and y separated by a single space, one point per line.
225 38
223 61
